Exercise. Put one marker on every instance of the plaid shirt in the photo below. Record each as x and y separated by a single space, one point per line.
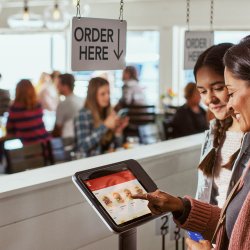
87 136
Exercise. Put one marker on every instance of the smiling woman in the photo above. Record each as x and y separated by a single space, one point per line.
237 78
239 93
217 169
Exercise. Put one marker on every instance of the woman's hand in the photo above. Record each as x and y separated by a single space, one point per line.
122 123
160 202
201 245
111 121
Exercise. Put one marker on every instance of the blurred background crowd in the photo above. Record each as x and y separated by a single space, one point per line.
51 114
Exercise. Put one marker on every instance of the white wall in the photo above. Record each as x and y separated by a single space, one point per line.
42 209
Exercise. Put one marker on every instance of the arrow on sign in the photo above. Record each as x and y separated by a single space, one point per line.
118 53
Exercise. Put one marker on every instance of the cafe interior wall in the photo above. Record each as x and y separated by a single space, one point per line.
169 18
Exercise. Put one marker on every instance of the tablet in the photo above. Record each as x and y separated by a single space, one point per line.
108 189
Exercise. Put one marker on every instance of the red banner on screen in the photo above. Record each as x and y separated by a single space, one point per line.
109 180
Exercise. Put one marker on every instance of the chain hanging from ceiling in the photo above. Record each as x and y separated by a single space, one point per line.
211 14
188 14
121 10
78 9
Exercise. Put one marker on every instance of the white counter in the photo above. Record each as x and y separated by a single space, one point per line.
42 209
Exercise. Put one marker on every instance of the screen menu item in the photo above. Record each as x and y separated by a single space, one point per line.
114 192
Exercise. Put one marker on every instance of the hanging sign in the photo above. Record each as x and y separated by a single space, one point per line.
98 44
196 42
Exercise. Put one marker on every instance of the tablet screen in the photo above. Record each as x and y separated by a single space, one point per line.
114 192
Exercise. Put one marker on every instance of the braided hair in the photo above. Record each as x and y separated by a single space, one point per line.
213 59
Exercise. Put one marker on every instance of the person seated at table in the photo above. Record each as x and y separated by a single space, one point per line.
132 92
25 116
98 129
191 117
67 109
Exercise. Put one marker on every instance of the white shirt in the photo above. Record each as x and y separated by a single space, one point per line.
231 145
66 111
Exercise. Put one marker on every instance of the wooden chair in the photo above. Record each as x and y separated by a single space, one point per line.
28 157
170 110
149 134
168 121
69 144
139 115
168 128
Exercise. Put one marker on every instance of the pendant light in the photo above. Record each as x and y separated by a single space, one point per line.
56 17
25 19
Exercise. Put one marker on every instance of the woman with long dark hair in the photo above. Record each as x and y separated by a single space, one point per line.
97 127
217 171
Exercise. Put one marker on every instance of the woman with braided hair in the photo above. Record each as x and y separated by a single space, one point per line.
217 171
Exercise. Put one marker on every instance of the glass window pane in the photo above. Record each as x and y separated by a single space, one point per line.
28 55
23 56
143 53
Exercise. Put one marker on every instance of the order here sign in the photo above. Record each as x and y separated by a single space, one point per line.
196 42
98 44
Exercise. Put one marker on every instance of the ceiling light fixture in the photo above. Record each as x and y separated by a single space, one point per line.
26 19
56 12
26 14
56 17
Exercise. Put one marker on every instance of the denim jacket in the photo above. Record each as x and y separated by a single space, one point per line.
207 190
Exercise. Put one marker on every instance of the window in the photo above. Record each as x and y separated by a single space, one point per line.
219 37
143 53
28 55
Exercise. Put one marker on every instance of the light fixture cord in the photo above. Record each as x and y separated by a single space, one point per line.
25 7
78 9
121 11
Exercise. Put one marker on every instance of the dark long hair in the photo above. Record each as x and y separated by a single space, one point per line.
237 60
99 114
212 58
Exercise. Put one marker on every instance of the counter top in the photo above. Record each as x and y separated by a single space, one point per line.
60 173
